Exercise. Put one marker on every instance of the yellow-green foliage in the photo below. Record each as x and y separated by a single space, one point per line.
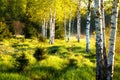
12 76
69 62
81 61
52 61
6 62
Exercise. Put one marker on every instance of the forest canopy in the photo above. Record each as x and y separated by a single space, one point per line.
31 14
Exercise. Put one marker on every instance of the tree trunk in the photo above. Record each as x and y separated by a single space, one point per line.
43 28
78 22
99 40
53 27
104 40
46 27
69 28
65 36
88 27
111 52
51 24
72 31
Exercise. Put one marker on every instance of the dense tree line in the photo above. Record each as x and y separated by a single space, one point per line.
34 14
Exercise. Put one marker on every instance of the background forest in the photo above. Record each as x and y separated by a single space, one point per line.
25 34
28 16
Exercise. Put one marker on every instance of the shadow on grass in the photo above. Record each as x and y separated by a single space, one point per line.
76 49
91 57
64 52
58 50
53 49
62 49
6 69
116 73
69 71
44 73
51 73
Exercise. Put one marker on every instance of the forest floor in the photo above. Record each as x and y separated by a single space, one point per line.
63 60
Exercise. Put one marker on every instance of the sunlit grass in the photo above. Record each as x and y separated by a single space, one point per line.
64 60
12 76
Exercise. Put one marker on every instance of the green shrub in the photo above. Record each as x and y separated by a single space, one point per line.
4 31
41 38
53 49
39 53
72 62
21 62
30 31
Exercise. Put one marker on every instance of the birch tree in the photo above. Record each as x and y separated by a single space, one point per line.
111 52
51 25
72 31
43 28
69 28
46 27
88 27
65 34
104 39
78 22
99 40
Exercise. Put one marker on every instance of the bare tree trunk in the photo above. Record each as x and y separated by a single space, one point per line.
78 22
88 27
65 24
104 40
69 28
43 28
99 40
111 52
51 21
46 27
53 27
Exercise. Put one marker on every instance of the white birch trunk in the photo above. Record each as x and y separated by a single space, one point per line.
43 28
53 27
99 40
78 22
104 40
111 52
103 25
51 21
65 34
88 27
69 28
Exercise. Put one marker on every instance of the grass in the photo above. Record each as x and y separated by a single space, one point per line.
64 61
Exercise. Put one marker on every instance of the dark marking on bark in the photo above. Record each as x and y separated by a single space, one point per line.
113 27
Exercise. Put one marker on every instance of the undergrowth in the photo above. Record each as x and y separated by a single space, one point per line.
64 61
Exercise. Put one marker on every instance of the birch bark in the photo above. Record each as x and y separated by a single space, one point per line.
111 52
104 40
78 22
69 28
43 28
99 40
88 27
51 21
53 27
65 34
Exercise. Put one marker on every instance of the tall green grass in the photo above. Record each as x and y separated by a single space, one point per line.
64 61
